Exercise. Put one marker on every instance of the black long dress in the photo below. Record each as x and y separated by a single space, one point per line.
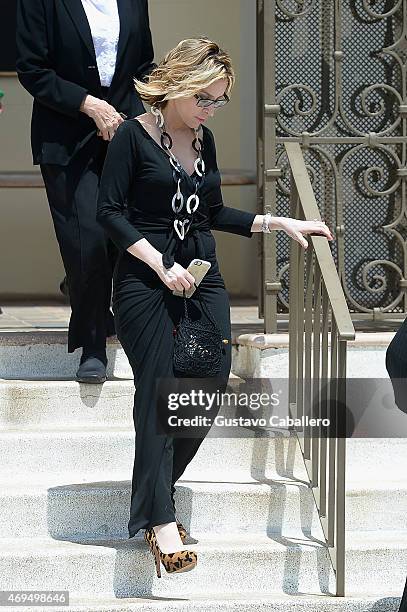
137 171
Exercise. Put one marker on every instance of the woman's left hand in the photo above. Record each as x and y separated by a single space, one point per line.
296 229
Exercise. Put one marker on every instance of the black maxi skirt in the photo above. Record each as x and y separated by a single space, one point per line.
146 313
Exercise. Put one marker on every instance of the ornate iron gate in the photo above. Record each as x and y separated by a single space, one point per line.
332 76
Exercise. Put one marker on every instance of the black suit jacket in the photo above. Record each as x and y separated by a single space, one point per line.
56 63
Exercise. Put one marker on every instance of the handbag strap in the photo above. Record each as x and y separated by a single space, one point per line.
203 305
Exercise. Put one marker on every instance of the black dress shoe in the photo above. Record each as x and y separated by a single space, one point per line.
91 370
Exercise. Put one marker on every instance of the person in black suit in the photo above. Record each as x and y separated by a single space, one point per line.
403 603
77 58
396 366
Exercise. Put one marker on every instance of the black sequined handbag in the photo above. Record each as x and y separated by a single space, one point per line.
197 344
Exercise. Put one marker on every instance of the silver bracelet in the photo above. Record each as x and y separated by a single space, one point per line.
265 223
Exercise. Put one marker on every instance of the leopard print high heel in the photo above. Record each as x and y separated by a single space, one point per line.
179 561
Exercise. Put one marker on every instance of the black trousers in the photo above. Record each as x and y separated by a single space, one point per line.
88 254
396 365
403 603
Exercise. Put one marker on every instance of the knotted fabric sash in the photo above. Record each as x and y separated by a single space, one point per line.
151 223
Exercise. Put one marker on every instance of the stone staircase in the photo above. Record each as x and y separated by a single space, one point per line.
67 457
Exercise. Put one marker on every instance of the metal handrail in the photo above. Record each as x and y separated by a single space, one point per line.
318 313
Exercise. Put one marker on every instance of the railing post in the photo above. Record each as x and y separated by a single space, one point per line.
341 475
293 302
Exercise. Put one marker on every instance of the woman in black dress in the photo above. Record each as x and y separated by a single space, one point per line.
193 79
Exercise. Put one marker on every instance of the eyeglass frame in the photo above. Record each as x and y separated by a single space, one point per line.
216 103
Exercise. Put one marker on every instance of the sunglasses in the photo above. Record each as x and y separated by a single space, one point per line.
207 102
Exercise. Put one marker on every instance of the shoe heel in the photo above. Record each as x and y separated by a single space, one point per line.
157 562
149 537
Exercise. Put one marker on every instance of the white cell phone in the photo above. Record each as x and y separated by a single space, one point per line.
198 268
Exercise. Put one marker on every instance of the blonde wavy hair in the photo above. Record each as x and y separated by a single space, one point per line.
193 64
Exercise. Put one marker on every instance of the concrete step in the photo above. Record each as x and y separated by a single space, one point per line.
100 509
237 602
125 568
43 355
88 450
376 460
26 404
37 403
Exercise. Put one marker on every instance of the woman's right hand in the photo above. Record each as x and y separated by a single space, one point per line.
105 116
175 277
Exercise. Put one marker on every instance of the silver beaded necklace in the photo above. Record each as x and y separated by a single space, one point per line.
182 222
